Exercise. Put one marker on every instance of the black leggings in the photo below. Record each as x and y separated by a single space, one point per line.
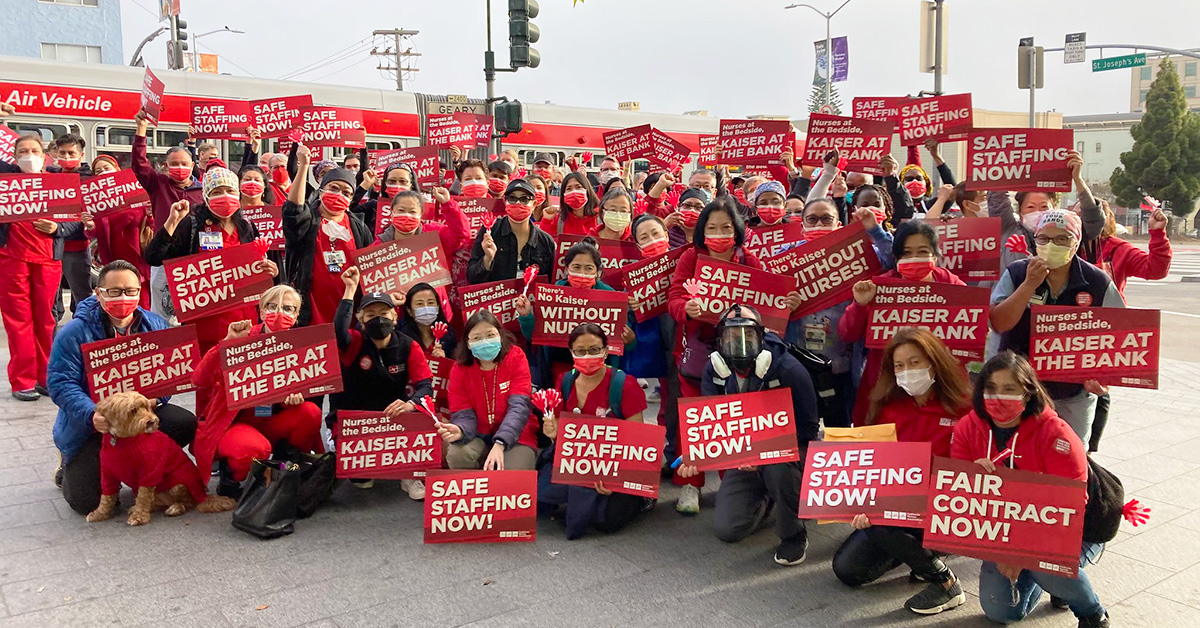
868 554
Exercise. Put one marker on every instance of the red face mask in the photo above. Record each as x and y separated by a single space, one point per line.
406 223
813 233
393 189
252 188
474 189
279 175
1003 408
68 164
518 211
690 216
539 198
496 186
718 244
120 307
544 173
335 202
589 365
579 280
179 173
916 188
656 247
575 199
915 268
771 215
224 205
278 321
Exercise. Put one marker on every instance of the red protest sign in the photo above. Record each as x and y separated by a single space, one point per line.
26 197
480 506
477 210
1033 160
732 431
724 284
625 456
614 254
497 297
970 247
958 315
667 151
440 382
152 95
942 118
268 219
8 144
560 309
887 482
212 282
708 149
862 142
1114 346
479 127
274 117
453 129
648 282
754 141
221 119
156 363
1027 520
632 143
109 193
265 368
374 445
332 126
829 267
423 160
765 242
880 109
398 265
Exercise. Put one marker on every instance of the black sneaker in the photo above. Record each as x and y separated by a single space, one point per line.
41 390
226 485
1094 621
792 551
935 598
26 395
1059 603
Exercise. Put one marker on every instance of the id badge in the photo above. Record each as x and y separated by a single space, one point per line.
334 260
1037 299
262 412
814 337
211 241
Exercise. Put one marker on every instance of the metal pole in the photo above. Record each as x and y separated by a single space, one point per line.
489 75
937 48
828 62
195 53
1032 86
399 72
176 60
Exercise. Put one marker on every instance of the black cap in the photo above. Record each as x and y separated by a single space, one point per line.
371 298
519 184
546 157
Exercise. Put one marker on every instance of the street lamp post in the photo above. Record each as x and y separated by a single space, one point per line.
196 52
828 45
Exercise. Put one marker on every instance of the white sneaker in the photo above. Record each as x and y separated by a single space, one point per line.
363 484
689 501
414 488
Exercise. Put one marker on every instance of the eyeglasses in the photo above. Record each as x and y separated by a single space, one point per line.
114 293
1062 240
290 310
589 351
520 200
692 206
824 221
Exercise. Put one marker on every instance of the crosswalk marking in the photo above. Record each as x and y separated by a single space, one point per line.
1182 263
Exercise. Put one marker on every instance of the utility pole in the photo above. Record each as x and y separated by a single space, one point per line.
396 55
937 48
828 45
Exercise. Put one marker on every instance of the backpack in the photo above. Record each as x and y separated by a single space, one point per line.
1106 500
616 385
830 403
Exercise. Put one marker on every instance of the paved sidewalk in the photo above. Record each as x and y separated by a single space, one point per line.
360 561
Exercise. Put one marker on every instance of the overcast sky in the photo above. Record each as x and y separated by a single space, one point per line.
731 57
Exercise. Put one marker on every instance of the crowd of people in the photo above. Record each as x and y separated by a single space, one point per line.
385 341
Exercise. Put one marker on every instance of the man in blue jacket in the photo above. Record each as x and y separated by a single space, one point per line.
750 359
112 311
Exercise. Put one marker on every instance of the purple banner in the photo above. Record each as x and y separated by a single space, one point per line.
841 60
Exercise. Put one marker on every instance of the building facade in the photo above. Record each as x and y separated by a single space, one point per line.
79 31
1188 69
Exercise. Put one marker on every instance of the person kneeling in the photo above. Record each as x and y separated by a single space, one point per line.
750 359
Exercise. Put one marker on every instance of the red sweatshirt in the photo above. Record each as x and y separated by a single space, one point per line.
931 423
1042 444
472 388
574 225
1122 260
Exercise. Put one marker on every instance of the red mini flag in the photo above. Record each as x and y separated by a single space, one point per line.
746 429
374 445
152 96
268 219
480 506
560 309
625 456
614 255
632 143
887 482
769 241
942 118
265 368
829 267
398 265
8 144
479 210
648 282
668 152
958 315
497 297
1114 346
155 363
708 149
880 109
28 197
212 282
1021 160
423 159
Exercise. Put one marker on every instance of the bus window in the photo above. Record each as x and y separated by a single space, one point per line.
119 135
374 146
169 138
46 130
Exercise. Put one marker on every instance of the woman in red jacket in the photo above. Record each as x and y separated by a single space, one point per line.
1014 412
490 405
578 214
1122 260
923 392
915 246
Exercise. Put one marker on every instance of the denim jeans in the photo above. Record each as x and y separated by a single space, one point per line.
1006 602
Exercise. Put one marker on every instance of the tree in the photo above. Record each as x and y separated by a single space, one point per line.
817 98
1165 159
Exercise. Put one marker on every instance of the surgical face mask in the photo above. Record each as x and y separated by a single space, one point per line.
486 349
120 307
1054 255
251 188
581 280
1031 220
608 175
224 205
915 268
915 382
850 198
426 315
68 164
278 321
474 188
916 188
1003 408
31 163
179 173
655 247
617 221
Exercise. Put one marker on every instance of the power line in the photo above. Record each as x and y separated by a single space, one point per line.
319 61
336 59
342 69
396 55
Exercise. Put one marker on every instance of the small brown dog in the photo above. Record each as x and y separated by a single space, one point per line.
134 452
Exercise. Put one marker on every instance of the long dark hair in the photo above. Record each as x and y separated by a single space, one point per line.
419 288
589 208
1039 399
464 356
268 195
722 204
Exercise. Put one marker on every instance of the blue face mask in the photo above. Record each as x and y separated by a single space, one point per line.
486 349
850 198
425 315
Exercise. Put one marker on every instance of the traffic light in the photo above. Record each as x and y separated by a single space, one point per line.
508 116
521 33
179 43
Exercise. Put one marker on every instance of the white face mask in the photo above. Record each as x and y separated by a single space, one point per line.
617 221
30 163
915 382
1031 220
608 175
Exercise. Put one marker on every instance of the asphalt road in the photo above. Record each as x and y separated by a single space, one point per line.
1179 301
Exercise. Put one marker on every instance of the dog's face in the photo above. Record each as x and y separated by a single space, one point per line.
128 414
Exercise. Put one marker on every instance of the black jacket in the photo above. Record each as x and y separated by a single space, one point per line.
508 264
785 372
301 224
186 240
372 377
